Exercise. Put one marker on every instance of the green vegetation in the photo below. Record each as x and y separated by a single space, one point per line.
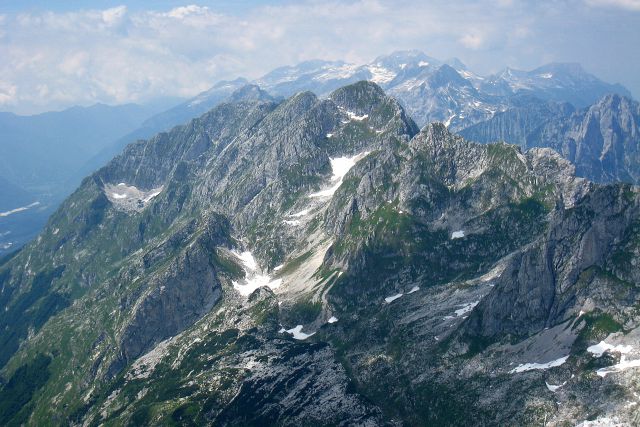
29 309
227 265
304 311
599 326
17 393
295 263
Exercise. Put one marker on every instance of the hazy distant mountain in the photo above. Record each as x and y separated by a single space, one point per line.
12 196
41 154
446 91
194 107
565 82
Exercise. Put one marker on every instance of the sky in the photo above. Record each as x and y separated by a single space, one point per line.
57 54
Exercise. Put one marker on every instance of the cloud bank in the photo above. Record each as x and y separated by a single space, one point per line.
52 60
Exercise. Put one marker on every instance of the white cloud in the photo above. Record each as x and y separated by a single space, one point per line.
621 4
54 59
184 11
7 92
114 16
472 41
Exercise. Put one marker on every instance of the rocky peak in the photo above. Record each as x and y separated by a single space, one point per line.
250 92
447 75
399 60
361 97
568 69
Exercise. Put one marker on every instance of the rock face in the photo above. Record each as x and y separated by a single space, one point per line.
298 387
540 286
178 295
324 261
601 140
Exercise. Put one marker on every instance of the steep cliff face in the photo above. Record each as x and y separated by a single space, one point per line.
544 285
602 140
323 261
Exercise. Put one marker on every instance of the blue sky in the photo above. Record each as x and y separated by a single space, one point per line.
57 54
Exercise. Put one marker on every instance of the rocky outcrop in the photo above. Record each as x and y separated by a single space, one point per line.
179 289
300 385
539 287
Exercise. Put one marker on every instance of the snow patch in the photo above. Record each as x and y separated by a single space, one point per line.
603 422
303 212
466 308
392 298
278 267
618 367
329 135
599 349
129 197
414 289
554 388
538 366
381 74
151 195
357 118
332 319
336 72
448 122
339 166
254 278
247 260
297 333
423 64
457 234
292 222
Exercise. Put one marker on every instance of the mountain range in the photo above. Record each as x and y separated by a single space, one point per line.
324 260
47 155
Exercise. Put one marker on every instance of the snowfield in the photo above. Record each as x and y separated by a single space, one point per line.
129 197
554 388
624 364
